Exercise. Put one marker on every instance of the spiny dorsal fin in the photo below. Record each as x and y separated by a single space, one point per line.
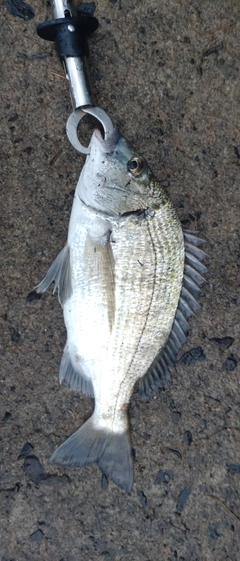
159 374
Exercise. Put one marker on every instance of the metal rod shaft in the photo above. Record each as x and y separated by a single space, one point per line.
79 83
76 68
62 8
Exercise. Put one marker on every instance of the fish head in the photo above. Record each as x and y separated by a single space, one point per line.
115 179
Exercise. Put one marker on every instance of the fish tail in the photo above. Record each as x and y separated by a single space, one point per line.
110 451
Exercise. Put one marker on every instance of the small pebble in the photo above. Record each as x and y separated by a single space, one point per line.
164 476
187 437
230 363
159 478
15 336
176 416
37 536
142 498
6 417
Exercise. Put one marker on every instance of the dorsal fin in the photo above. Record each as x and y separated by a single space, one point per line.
158 376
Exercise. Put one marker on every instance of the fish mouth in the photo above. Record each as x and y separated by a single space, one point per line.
107 146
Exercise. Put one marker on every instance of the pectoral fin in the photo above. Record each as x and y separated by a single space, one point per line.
99 260
60 274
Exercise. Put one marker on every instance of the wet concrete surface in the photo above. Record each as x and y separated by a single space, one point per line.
168 75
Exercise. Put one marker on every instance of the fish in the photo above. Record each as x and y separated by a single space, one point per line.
128 280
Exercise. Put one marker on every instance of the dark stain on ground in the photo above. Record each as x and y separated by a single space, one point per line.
182 499
25 451
19 9
34 469
223 342
195 355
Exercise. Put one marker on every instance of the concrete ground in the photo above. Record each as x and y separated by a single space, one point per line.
167 72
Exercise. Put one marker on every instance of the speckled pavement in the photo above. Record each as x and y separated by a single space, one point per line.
167 72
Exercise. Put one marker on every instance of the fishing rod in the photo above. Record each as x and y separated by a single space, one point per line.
69 30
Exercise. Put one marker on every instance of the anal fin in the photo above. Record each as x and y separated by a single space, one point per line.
75 378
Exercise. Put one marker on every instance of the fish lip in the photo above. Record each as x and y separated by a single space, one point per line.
108 146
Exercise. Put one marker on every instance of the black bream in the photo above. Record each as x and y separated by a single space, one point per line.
127 282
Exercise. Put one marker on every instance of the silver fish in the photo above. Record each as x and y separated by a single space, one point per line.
127 280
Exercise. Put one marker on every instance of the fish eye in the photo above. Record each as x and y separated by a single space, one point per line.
135 166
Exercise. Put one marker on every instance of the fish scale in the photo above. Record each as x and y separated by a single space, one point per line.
165 290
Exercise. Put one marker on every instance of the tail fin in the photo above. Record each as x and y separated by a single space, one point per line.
110 451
